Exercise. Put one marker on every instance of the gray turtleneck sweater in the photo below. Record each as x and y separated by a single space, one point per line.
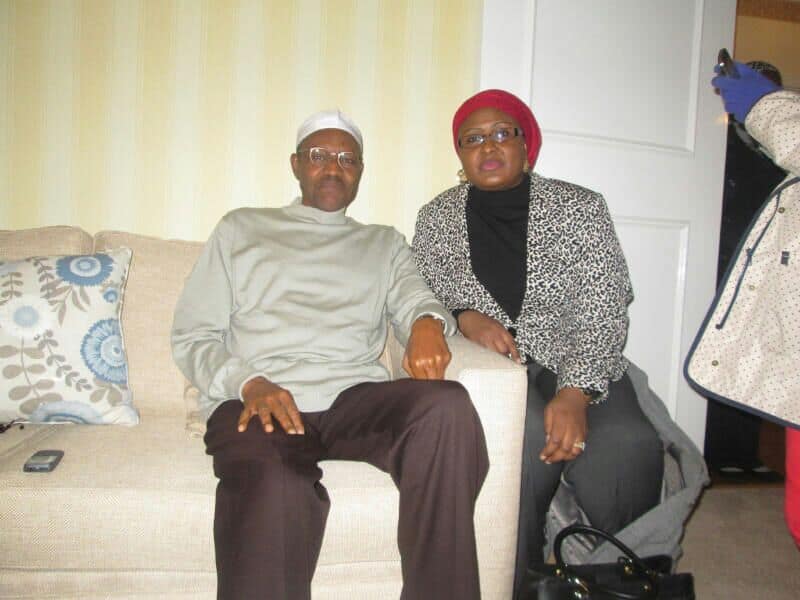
300 296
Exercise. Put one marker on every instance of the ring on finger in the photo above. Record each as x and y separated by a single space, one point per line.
580 445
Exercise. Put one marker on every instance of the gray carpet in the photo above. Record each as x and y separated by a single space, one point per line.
737 546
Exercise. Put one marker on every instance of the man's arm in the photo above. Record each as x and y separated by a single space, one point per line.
200 328
202 322
409 298
427 354
419 319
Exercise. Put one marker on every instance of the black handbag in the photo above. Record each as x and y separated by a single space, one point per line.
630 578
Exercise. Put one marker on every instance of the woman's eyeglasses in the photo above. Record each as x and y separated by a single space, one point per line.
499 135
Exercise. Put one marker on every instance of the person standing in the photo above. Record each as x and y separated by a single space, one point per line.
754 326
732 434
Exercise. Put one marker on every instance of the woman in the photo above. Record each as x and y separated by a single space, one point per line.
532 268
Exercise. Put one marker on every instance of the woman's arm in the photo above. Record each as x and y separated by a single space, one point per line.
597 316
433 255
430 246
775 122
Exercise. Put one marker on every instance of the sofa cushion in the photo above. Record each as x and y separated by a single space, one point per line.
157 273
18 244
142 498
62 356
121 498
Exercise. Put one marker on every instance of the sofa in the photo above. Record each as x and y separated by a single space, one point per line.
128 512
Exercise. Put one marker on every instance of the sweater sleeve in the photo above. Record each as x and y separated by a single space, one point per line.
775 122
598 311
409 298
201 324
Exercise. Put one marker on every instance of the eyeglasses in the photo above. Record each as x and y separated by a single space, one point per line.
349 161
500 135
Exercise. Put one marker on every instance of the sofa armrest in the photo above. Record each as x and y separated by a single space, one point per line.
469 355
498 389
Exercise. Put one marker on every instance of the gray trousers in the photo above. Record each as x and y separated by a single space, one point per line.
271 506
616 479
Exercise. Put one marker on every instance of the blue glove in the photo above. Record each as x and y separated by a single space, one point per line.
739 95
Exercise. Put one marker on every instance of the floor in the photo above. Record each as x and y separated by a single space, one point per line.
736 543
737 546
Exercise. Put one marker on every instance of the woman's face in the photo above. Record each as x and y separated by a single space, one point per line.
492 165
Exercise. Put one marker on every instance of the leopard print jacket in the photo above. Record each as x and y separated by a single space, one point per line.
574 317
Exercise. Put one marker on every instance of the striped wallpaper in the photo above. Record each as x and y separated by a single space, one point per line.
158 116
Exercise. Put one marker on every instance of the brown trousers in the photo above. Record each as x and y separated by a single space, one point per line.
271 507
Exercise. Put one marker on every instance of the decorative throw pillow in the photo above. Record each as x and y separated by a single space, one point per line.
62 357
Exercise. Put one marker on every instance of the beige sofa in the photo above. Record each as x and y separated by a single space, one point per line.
128 512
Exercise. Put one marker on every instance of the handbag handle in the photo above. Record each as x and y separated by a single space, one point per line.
648 591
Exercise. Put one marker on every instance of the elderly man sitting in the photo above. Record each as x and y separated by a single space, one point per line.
280 326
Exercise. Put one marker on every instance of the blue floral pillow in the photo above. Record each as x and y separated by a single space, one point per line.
62 356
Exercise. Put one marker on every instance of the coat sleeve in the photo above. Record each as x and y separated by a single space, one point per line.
424 244
775 122
597 323
431 254
202 323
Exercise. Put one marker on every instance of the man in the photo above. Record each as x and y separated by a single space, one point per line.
280 326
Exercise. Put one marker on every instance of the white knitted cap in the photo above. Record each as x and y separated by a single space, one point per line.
328 119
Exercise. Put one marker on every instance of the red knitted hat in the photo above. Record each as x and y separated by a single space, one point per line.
512 106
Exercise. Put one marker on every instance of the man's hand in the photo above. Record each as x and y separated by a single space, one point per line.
488 332
264 399
565 425
427 354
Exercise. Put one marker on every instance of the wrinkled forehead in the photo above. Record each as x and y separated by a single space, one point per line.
331 139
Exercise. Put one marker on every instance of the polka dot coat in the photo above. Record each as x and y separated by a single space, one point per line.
748 349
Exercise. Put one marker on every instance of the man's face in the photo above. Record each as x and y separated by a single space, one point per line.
327 186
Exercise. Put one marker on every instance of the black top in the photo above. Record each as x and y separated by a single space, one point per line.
497 226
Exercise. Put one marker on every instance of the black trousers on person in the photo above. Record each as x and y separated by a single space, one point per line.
616 479
271 507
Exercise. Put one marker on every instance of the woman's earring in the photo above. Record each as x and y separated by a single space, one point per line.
462 177
526 167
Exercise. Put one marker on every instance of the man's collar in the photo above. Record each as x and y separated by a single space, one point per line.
314 215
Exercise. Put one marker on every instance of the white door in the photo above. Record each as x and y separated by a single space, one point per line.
621 91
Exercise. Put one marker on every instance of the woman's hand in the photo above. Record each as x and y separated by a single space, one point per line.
427 354
267 401
488 332
565 425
